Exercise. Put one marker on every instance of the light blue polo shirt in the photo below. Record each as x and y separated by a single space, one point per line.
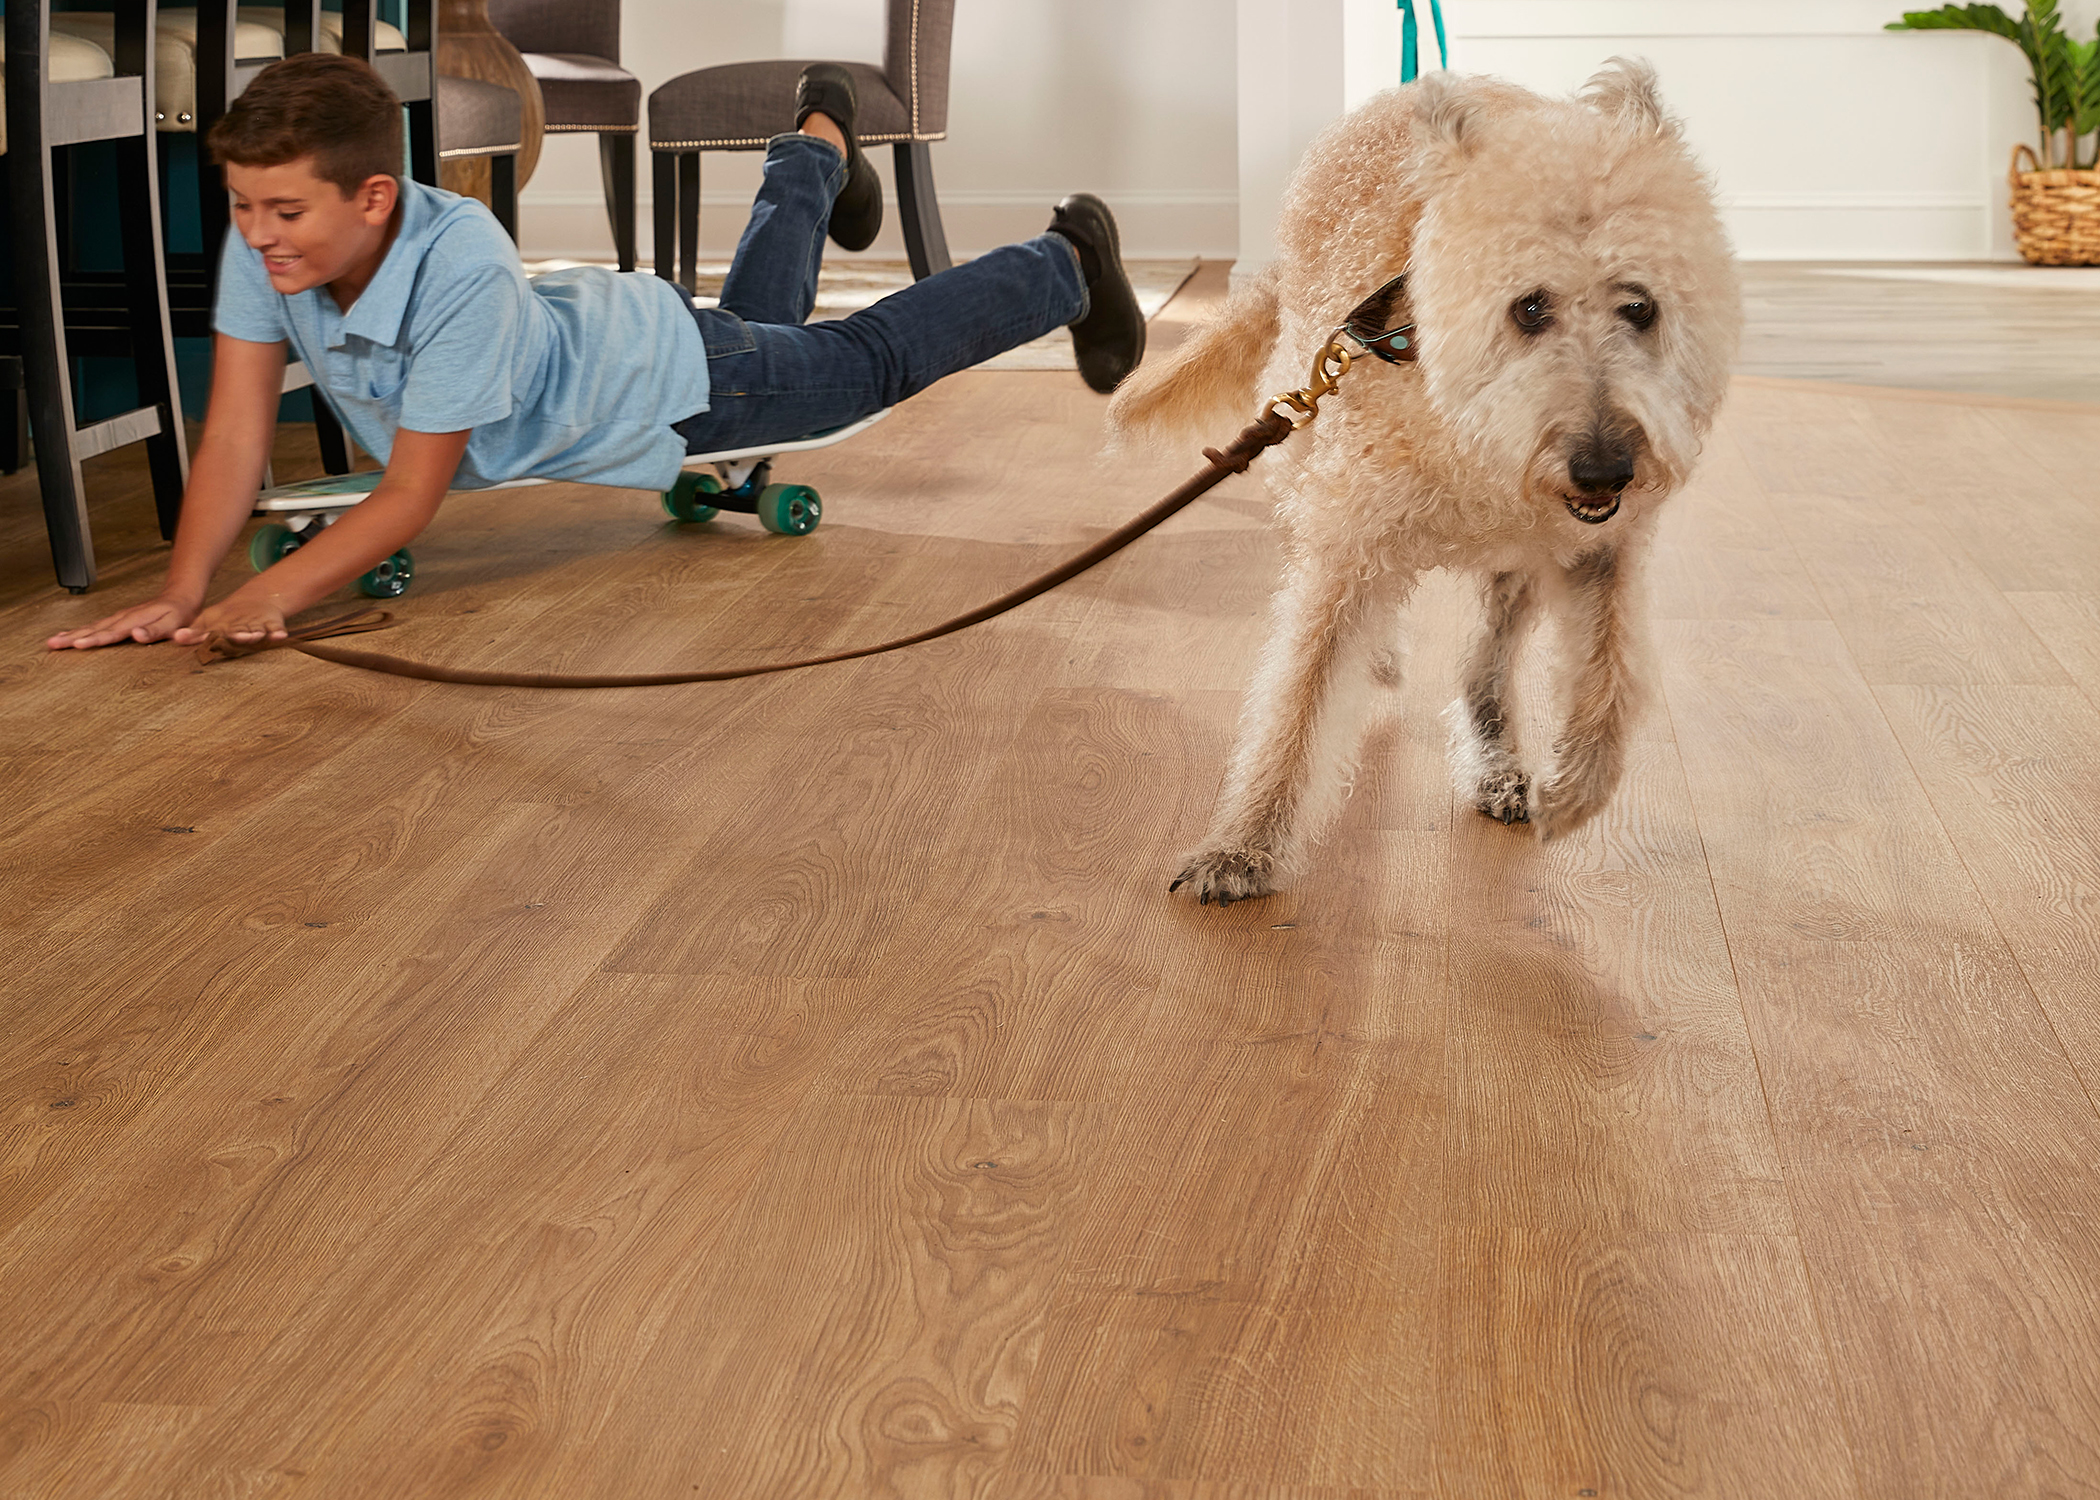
574 375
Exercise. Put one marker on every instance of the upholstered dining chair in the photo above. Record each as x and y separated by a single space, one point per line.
476 118
572 47
741 106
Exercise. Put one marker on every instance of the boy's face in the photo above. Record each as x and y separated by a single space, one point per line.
307 230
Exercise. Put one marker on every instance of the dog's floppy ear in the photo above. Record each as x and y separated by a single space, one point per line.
1624 90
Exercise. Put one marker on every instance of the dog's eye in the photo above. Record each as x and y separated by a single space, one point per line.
1640 312
1532 312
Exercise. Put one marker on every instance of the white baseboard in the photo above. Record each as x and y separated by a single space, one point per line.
1921 226
1154 225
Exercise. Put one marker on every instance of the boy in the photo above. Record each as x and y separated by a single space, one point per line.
409 307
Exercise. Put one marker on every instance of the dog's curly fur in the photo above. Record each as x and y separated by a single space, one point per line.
1576 311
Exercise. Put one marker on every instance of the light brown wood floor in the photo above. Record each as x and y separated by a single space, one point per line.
806 1087
2029 331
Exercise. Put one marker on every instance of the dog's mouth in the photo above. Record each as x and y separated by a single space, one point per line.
1593 510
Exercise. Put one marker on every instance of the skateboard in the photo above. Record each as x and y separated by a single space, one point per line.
736 479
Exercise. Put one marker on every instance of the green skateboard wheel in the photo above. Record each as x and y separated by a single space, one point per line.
789 509
390 579
272 543
682 500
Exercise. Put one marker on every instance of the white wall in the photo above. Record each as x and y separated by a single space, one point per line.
1133 99
1829 137
1290 87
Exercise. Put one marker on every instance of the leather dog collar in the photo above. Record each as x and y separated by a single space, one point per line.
1371 325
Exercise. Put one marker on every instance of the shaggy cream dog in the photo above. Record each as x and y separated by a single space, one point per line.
1575 310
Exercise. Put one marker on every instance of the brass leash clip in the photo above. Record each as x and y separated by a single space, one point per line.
1366 328
1329 366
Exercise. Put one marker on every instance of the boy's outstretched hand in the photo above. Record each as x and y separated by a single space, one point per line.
155 620
236 619
220 496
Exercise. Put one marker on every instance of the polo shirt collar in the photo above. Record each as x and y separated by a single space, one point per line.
379 309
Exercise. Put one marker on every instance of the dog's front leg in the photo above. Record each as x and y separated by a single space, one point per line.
1602 694
1483 747
1298 734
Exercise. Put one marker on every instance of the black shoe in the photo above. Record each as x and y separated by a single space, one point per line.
1110 339
856 216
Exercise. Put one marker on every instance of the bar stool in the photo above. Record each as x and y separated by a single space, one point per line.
43 117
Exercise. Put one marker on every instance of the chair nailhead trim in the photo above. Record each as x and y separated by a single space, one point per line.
752 142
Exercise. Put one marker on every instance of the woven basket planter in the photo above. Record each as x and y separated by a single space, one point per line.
2056 214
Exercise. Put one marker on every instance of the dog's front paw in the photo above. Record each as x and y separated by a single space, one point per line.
1226 876
1504 796
1564 804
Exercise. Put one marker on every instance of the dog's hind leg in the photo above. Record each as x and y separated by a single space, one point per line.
1299 733
1483 745
1602 693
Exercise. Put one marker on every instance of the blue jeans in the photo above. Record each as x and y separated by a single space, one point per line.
775 378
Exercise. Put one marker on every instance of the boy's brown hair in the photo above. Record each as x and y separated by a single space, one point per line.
334 109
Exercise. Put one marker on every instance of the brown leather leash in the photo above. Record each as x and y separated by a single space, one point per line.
1365 326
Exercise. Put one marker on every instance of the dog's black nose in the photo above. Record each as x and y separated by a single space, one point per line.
1599 473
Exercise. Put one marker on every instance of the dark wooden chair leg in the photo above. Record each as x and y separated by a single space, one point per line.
14 431
215 91
14 418
329 434
45 371
924 239
152 337
616 168
62 193
423 141
663 211
503 192
689 220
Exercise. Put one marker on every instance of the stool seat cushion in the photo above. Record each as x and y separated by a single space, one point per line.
477 118
73 60
258 35
741 106
586 93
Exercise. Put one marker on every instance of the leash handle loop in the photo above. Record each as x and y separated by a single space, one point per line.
1409 65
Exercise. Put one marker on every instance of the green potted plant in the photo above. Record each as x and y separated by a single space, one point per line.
2056 196
2065 74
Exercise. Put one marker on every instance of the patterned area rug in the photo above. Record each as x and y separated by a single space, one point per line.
852 285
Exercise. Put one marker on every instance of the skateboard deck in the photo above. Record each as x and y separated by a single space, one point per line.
338 492
740 481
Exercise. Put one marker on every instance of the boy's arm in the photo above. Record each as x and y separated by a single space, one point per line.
225 476
418 474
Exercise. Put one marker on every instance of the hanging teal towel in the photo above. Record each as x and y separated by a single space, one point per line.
1408 65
